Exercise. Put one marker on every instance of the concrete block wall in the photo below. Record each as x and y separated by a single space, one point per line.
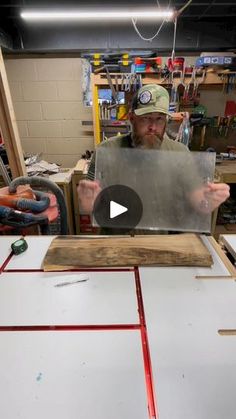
48 102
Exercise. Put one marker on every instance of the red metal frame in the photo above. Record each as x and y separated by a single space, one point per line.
146 351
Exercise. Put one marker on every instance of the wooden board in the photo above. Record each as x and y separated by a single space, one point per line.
68 252
9 127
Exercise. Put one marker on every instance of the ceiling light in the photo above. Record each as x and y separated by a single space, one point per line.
96 15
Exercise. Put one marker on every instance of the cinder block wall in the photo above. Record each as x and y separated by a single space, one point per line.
47 98
48 103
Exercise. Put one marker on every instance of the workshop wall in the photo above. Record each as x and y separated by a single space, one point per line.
215 100
48 102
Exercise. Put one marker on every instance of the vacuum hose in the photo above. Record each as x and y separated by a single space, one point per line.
45 183
42 203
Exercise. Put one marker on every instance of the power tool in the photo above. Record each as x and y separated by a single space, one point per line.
25 207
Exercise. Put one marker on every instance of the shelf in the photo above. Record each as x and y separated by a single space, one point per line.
148 78
211 81
113 123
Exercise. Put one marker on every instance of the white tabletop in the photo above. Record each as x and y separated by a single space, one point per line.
5 247
34 298
194 368
33 257
217 269
71 375
229 240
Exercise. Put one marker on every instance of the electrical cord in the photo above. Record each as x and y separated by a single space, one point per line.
141 36
134 21
177 14
206 10
184 7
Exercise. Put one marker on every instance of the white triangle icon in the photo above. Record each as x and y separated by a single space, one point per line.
116 209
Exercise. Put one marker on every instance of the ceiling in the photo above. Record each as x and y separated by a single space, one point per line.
203 26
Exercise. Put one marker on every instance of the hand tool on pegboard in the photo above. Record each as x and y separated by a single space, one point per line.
188 84
223 125
109 79
228 81
198 78
127 83
228 122
176 81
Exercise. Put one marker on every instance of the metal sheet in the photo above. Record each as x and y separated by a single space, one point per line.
167 183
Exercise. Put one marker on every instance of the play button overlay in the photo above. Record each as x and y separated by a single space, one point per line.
116 209
118 206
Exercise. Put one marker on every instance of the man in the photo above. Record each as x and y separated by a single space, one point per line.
148 118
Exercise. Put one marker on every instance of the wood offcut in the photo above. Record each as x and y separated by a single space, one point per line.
227 332
71 252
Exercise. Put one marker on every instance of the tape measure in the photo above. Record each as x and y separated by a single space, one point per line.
19 246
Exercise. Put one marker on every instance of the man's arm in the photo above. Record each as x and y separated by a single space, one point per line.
88 191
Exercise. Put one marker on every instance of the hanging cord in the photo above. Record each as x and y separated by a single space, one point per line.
177 14
206 10
174 39
134 21
141 36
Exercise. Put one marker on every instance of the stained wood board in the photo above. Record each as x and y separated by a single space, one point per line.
70 252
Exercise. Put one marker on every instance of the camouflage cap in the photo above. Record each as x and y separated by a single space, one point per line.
152 98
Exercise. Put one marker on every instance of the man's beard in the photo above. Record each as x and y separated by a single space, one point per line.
148 142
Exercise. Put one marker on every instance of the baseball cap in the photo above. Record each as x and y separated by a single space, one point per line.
151 98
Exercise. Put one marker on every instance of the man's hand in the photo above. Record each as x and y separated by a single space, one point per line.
207 198
88 191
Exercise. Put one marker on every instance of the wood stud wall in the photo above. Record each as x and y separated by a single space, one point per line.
9 127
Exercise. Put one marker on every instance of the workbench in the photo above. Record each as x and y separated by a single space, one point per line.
229 242
124 343
225 172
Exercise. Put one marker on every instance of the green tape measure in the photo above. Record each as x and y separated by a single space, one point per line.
19 246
